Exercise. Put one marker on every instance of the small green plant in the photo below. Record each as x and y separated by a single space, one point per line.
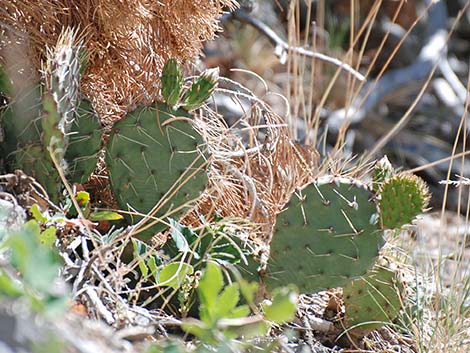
38 264
222 319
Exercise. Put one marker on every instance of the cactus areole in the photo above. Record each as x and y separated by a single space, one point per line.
327 235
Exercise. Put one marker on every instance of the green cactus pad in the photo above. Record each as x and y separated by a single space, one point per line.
146 156
21 120
172 82
327 236
201 89
34 160
402 198
373 300
53 137
84 144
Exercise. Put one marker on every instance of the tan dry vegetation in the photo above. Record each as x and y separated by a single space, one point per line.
127 42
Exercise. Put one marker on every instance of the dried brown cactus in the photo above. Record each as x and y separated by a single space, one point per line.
127 41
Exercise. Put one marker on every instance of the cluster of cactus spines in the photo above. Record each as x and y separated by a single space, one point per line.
327 235
372 300
84 145
402 198
150 153
382 172
62 76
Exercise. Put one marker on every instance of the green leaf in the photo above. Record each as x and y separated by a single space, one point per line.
173 274
105 216
83 199
227 301
152 265
39 265
140 248
240 311
178 237
9 287
210 284
283 307
37 214
195 327
248 290
48 237
143 267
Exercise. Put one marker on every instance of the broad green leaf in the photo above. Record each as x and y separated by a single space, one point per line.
255 329
48 237
210 284
37 214
152 265
173 274
9 287
143 267
240 311
39 265
105 216
283 307
227 300
195 327
248 290
178 237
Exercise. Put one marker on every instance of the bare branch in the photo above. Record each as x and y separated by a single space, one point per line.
282 47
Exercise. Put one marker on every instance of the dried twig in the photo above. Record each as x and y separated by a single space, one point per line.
282 47
374 93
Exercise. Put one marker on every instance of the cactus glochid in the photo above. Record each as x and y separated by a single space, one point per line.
334 224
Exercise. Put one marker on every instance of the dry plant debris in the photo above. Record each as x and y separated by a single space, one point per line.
126 42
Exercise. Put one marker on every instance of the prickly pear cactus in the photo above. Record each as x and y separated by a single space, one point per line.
34 160
21 120
201 89
328 235
153 155
372 300
84 144
402 198
172 82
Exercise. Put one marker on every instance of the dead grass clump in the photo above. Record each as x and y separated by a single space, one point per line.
127 42
254 171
